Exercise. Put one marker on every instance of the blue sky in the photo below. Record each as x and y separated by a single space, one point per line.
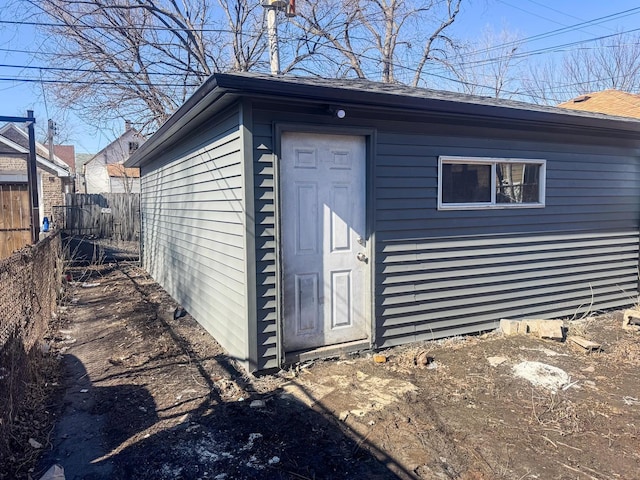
526 17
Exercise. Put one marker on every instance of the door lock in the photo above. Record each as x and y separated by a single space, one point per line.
362 257
361 241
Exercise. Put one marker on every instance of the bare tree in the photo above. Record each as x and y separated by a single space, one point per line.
141 59
613 62
386 40
489 66
544 84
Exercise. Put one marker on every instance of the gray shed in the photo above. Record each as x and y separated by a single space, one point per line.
295 216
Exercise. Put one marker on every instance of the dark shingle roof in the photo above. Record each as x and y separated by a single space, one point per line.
354 93
404 92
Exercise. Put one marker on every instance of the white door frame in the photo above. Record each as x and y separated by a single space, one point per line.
369 137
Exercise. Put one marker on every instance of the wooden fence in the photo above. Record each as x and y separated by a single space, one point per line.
106 215
15 222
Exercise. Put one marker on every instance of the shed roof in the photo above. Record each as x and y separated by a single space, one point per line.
18 136
119 170
610 102
66 153
358 92
44 162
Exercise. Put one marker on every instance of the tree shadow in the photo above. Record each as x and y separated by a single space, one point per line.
119 432
85 250
94 421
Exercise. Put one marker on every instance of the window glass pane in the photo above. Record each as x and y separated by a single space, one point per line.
517 183
466 183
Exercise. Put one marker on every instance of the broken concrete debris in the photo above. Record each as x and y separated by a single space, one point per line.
551 329
34 443
422 359
257 404
56 472
584 343
631 319
495 361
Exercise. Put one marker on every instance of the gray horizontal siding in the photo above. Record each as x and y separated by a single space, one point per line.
440 273
193 229
266 271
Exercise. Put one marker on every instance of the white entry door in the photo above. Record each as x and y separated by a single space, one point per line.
323 239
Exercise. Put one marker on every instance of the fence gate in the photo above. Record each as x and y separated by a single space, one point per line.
15 224
105 215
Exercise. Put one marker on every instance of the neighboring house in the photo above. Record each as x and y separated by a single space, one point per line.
300 217
81 159
104 173
609 102
122 179
66 153
54 179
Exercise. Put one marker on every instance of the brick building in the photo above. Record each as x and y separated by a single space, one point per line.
54 179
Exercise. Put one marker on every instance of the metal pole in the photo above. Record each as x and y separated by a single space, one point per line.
50 130
272 33
32 178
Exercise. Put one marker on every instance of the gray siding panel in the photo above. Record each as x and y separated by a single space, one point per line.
193 230
440 273
266 270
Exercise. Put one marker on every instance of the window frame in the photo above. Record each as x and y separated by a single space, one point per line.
492 161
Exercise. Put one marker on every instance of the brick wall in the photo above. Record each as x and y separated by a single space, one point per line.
52 195
52 185
12 164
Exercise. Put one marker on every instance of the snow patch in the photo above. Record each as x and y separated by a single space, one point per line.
542 375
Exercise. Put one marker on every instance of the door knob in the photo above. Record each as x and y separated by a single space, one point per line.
362 257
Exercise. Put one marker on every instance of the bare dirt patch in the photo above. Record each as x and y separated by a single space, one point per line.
153 397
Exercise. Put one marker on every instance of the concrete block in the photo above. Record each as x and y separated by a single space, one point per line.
510 327
584 343
546 328
630 318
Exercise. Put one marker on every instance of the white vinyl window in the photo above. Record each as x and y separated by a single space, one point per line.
479 183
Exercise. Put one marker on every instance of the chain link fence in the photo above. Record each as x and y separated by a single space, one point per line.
30 281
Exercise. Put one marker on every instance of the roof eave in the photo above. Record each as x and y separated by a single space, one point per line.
221 84
60 171
204 96
323 93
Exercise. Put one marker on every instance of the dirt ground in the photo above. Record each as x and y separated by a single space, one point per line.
143 395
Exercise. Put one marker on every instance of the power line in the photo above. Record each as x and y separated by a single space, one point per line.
94 70
553 48
559 11
560 31
119 27
481 62
90 82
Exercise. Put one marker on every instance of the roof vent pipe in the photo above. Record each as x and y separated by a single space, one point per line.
583 98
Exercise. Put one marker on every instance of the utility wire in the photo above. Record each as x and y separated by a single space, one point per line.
560 31
94 70
120 27
90 82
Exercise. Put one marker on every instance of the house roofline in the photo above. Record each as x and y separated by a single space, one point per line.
204 96
56 159
135 132
371 95
62 172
